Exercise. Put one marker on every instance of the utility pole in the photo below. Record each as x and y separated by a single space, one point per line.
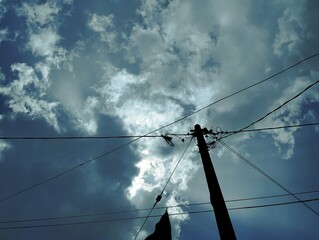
225 227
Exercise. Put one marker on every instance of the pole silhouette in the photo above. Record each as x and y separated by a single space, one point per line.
225 227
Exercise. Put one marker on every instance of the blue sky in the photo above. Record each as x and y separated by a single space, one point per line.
114 68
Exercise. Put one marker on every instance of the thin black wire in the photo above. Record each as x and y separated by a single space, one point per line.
273 128
153 216
142 136
148 215
266 175
237 92
277 108
160 128
159 197
178 162
147 209
75 137
253 130
66 171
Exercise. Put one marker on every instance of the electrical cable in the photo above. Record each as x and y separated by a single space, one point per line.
266 175
271 128
159 197
148 136
160 128
75 137
274 110
236 92
153 216
66 171
147 209
178 162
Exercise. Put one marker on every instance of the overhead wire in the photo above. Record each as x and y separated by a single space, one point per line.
276 109
153 131
142 136
272 128
65 171
237 92
266 175
159 197
176 165
75 137
147 209
153 216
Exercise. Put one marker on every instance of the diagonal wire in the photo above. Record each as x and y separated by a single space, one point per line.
274 110
159 197
271 128
66 171
178 162
237 92
266 175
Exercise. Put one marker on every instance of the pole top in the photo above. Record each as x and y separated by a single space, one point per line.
197 127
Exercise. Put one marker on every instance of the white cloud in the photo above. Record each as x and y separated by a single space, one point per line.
2 76
104 26
288 115
26 94
85 117
292 30
3 35
43 32
40 13
44 43
3 147
3 9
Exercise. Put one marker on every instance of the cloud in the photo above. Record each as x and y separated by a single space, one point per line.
40 14
44 43
3 35
43 25
2 76
3 147
104 26
174 58
3 9
26 93
292 30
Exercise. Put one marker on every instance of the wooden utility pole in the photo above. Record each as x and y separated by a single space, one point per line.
225 227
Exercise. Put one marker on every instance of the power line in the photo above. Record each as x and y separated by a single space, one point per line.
144 136
159 197
76 137
66 171
266 175
153 216
147 209
274 110
270 128
178 162
236 92
253 130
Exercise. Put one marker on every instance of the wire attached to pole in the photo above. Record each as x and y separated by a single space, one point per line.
159 197
267 176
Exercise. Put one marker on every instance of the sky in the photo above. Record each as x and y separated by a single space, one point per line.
129 68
